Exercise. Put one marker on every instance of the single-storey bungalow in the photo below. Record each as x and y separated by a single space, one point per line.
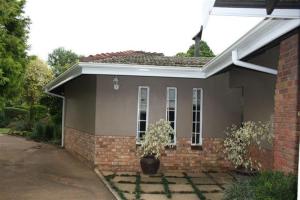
110 99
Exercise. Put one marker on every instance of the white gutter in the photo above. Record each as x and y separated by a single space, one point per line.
237 62
63 116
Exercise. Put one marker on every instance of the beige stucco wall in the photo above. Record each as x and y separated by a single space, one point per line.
80 108
116 111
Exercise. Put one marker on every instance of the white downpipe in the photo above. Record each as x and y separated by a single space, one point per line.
63 117
236 61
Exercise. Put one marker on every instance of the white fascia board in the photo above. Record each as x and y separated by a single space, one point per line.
264 33
68 75
124 69
256 12
141 70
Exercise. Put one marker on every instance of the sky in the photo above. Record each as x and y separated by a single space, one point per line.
89 27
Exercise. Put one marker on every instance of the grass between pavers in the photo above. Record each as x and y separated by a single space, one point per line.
196 190
138 182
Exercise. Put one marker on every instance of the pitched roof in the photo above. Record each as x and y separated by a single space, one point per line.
146 58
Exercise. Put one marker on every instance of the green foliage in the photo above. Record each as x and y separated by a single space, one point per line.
239 141
61 59
166 187
3 121
47 132
38 112
138 187
38 131
54 104
205 51
37 75
14 28
265 186
239 191
275 186
15 114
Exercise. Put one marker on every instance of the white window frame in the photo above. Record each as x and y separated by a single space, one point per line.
201 117
175 114
138 112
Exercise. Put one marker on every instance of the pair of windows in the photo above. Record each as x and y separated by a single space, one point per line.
171 113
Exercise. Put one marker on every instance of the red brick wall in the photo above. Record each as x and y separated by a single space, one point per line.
120 154
287 95
80 144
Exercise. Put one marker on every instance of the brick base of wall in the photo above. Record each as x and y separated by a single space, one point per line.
119 153
264 156
80 144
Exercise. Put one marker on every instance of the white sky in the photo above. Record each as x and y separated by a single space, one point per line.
98 26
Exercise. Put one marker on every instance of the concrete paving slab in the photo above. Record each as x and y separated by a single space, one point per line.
107 173
130 196
174 174
154 197
209 188
214 196
147 179
177 180
181 188
125 173
184 197
129 179
203 180
126 187
152 188
195 175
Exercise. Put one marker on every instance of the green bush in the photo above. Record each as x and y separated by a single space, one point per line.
38 131
38 112
3 121
239 191
265 186
15 114
275 186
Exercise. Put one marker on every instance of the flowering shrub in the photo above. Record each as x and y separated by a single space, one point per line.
239 140
156 138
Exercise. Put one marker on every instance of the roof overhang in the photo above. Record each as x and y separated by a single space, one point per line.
124 69
264 33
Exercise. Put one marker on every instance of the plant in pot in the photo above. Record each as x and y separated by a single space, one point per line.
241 140
157 136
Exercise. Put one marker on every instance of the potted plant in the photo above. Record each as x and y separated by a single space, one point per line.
153 143
240 140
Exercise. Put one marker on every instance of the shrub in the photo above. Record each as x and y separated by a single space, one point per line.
48 134
275 186
156 138
38 131
38 112
239 191
3 121
265 186
239 140
14 114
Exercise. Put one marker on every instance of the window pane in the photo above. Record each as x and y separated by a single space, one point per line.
198 127
172 104
171 116
193 138
144 95
143 115
172 125
142 126
197 138
141 134
198 116
172 94
194 127
194 116
172 138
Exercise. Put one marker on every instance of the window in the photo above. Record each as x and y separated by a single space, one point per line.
171 110
197 117
143 110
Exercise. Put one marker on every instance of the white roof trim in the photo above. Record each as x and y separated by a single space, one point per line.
262 34
124 69
255 12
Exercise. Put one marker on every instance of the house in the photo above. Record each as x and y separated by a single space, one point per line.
110 99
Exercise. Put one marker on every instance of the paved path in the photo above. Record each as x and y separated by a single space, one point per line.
35 171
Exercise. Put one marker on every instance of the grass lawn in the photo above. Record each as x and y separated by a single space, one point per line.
4 130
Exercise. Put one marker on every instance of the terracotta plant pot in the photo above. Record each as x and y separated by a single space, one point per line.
149 165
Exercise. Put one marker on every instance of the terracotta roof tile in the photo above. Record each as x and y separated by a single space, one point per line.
146 58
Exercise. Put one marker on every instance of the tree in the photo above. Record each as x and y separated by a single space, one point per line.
61 59
205 51
14 28
37 75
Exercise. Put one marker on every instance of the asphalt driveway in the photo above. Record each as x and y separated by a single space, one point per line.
35 171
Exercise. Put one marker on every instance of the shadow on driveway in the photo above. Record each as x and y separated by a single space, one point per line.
35 171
